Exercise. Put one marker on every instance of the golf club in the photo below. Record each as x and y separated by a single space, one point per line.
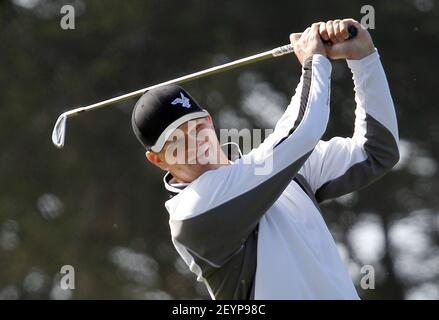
59 131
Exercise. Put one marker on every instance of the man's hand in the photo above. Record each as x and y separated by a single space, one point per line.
308 43
335 33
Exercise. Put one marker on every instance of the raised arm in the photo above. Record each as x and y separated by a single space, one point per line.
342 165
213 216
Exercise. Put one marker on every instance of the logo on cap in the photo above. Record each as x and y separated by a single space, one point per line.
185 103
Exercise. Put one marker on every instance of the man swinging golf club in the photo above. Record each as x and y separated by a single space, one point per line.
262 236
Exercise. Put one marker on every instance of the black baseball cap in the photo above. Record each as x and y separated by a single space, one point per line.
160 111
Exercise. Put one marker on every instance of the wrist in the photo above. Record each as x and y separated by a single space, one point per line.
310 57
363 65
362 53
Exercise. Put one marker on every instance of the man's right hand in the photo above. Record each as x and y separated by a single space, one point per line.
308 43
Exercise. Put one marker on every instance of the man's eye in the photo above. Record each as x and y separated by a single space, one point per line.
192 133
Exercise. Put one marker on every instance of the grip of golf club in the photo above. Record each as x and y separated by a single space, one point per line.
352 30
280 51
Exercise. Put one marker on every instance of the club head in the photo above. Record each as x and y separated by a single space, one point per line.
59 131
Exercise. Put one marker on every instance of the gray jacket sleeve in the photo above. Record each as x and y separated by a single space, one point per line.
342 165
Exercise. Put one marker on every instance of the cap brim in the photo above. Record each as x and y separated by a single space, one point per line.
160 143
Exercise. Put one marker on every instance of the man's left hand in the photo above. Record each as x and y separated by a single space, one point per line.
339 46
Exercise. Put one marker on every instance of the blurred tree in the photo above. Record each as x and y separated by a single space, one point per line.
98 206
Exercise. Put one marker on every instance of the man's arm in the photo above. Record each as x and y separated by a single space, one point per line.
214 215
342 165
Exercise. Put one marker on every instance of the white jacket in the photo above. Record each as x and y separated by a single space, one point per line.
249 235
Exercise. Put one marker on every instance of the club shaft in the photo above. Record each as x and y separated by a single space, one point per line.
196 75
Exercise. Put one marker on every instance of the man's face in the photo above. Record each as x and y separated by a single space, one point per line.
191 150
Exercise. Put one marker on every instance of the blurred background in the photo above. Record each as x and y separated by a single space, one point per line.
98 206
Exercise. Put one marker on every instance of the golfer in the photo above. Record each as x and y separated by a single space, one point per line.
248 235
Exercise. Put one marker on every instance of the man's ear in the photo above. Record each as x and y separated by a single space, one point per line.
209 118
155 159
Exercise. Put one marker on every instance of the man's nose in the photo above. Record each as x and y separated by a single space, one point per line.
196 141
